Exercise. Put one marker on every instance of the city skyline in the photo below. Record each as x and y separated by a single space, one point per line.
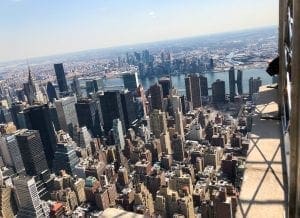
34 29
153 108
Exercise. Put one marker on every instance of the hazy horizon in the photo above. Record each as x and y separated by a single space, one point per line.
136 45
38 29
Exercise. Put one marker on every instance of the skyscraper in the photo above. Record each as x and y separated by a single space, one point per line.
193 90
11 154
231 74
254 85
94 85
38 117
146 56
178 149
111 107
129 107
239 82
32 153
15 108
30 89
158 122
90 115
203 85
188 88
66 113
89 87
29 202
211 64
5 115
118 133
82 137
61 78
51 92
65 157
218 91
179 128
76 87
130 80
156 93
54 117
98 84
166 85
174 104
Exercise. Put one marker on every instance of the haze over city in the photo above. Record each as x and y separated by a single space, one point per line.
149 108
32 28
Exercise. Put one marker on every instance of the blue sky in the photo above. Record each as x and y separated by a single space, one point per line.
30 28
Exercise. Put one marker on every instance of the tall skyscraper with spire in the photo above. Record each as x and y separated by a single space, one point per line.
30 89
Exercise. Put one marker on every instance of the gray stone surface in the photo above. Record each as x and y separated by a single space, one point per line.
263 189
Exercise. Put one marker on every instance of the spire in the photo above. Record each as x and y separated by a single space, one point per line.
30 79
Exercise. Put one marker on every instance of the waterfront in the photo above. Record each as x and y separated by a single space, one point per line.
178 80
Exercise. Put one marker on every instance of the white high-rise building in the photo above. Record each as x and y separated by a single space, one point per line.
179 124
82 137
165 142
66 113
176 103
118 133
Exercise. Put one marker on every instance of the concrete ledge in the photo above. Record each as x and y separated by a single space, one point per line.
263 189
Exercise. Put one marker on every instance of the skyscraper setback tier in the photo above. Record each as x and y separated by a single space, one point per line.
61 78
65 157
